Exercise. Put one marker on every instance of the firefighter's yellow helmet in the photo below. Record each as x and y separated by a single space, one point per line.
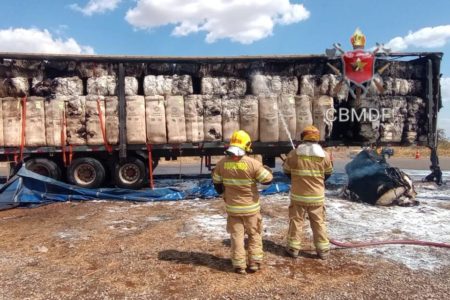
240 143
311 134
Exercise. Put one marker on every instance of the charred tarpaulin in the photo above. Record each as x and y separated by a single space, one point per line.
372 180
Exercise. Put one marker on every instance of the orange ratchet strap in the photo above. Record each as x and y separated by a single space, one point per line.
150 165
102 127
63 138
24 124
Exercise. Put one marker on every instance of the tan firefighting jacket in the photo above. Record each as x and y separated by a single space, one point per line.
307 166
239 178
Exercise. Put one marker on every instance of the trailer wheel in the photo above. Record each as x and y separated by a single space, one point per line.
44 167
86 172
130 174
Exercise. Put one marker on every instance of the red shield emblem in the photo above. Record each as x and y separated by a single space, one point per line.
358 66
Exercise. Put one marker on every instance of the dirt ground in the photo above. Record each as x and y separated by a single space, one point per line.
174 250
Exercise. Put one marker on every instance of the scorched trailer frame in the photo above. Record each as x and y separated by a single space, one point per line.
425 65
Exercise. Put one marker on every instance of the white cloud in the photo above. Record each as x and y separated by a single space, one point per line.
445 89
243 21
38 41
96 6
428 37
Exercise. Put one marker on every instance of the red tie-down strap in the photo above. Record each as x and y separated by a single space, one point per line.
70 154
63 138
150 166
102 127
67 161
24 125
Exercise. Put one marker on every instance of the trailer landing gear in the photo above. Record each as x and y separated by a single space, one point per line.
436 173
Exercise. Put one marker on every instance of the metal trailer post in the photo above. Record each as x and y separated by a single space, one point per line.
122 114
433 95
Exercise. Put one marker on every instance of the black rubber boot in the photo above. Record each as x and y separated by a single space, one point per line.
240 271
292 252
323 255
254 267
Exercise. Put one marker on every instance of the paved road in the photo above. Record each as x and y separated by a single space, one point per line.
403 163
339 165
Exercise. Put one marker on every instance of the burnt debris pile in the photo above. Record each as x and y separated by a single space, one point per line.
372 180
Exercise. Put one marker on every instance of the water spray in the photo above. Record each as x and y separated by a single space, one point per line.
265 85
283 121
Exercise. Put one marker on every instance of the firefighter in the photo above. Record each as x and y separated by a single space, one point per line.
236 176
308 166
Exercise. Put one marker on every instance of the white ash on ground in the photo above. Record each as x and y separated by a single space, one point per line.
180 249
356 222
362 222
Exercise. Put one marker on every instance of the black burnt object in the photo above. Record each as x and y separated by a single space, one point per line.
370 177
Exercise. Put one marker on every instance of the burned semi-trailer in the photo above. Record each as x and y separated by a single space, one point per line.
83 117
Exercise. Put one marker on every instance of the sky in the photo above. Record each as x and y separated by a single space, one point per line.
226 27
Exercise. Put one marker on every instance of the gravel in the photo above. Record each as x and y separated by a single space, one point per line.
173 250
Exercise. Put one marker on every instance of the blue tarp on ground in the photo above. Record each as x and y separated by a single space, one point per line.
27 188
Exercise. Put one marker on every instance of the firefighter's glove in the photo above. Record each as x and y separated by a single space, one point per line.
268 169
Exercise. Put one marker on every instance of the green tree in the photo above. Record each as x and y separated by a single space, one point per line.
441 135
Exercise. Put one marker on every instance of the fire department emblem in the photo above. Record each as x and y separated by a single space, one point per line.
358 66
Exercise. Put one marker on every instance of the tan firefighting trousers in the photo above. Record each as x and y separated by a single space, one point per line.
238 227
317 220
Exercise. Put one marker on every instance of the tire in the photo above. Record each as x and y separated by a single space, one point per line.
86 172
130 174
44 167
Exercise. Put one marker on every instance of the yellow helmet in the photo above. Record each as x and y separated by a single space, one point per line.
311 133
240 143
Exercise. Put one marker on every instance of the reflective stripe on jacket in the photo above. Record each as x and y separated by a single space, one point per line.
308 166
239 178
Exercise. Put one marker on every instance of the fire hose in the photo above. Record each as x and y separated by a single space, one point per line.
376 243
388 242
